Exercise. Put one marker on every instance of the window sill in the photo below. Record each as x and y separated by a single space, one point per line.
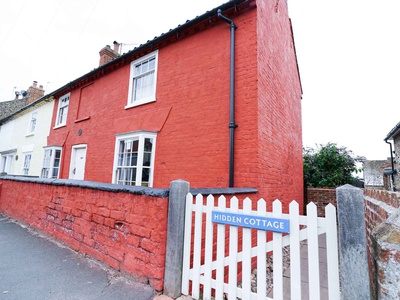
59 126
30 134
139 103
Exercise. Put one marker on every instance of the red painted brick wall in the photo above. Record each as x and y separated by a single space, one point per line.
126 231
191 113
279 106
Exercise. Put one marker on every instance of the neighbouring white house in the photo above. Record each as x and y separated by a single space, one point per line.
23 135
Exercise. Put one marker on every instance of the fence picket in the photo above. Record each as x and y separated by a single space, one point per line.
261 255
246 266
233 249
186 246
295 267
198 218
208 249
219 289
313 253
332 252
277 254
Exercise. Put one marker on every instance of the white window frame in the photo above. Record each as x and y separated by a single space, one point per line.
27 163
135 136
51 163
132 102
62 111
32 122
6 161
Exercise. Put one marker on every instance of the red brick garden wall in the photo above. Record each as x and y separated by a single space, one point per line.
383 241
321 197
123 228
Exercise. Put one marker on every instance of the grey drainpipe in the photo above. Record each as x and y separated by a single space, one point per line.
393 170
232 124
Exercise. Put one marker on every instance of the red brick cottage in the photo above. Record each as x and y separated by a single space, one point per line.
176 107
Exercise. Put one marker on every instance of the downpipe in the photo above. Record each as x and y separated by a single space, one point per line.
232 124
393 170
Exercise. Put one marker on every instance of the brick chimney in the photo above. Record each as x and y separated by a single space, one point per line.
34 92
107 54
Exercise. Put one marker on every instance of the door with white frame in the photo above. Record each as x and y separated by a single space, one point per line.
78 161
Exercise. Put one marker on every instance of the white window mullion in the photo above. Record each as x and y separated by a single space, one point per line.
139 169
152 162
51 164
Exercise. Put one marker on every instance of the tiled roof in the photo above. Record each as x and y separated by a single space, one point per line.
7 108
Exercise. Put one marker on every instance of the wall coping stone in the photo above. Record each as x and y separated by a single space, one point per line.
223 191
136 190
109 187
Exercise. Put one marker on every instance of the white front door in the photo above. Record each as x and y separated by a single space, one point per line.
78 160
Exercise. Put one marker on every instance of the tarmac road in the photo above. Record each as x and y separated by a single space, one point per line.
34 267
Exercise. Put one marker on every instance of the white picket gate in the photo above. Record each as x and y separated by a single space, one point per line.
201 269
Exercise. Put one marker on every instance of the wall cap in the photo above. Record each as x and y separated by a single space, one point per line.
109 187
223 191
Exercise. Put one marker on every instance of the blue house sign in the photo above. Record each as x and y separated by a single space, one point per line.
250 221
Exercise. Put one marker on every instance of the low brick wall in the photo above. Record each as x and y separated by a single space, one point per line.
321 197
125 227
383 242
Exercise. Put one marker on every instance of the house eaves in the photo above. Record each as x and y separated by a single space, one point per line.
393 132
181 31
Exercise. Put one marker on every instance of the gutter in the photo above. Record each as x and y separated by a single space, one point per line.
232 124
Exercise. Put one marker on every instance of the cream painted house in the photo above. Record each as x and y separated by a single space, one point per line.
23 135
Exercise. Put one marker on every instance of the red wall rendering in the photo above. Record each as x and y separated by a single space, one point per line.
191 113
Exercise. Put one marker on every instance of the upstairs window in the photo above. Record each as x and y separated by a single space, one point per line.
51 162
134 159
32 123
62 112
143 79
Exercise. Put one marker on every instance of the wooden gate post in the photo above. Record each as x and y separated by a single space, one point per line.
352 244
175 238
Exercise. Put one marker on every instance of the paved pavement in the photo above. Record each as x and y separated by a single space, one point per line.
304 272
33 267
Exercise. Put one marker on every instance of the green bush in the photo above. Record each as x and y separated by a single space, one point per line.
330 166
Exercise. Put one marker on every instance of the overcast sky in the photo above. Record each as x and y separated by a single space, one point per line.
348 53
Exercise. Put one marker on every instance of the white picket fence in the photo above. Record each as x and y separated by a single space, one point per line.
200 269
